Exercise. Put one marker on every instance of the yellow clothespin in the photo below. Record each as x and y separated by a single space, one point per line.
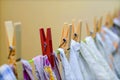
77 34
63 40
108 22
66 38
100 24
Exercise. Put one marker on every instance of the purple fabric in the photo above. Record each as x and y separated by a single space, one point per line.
27 70
26 76
55 68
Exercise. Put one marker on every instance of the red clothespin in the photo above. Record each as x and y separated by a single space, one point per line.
46 43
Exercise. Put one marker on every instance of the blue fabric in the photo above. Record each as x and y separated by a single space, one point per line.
6 73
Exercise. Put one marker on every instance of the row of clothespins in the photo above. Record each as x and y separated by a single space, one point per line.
69 32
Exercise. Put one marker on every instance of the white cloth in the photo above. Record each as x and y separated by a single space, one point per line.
86 73
117 21
74 62
90 42
67 73
93 61
107 45
112 35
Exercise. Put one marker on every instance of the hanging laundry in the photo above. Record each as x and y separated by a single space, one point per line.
74 62
84 68
93 62
56 67
116 55
41 65
90 42
6 73
67 73
27 70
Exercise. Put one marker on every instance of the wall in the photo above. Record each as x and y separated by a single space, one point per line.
38 13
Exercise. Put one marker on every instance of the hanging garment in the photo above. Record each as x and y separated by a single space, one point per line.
56 67
93 62
49 72
41 62
103 48
100 46
48 69
90 42
6 73
27 70
67 73
116 55
113 36
85 70
74 62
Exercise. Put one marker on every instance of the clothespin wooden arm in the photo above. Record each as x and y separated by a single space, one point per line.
87 29
70 27
10 34
19 66
80 31
64 35
18 40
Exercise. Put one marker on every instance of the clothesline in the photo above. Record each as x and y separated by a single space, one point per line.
89 59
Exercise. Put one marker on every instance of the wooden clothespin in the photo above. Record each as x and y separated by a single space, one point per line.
46 44
69 41
11 56
64 36
77 32
108 22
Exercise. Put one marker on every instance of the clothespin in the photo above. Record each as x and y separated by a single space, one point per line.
70 30
100 24
46 44
11 56
108 22
73 33
64 36
77 32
